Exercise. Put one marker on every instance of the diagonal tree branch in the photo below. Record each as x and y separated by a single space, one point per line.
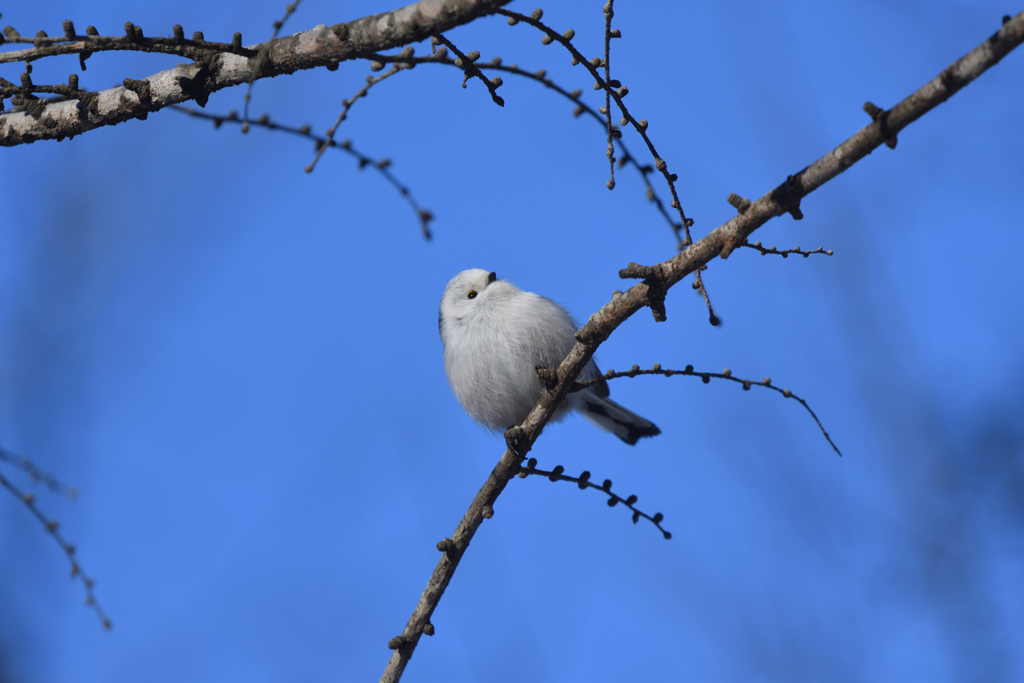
321 46
651 292
51 526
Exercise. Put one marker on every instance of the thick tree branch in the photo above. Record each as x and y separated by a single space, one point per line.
651 292
321 46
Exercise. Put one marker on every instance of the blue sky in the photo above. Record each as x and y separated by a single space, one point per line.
237 364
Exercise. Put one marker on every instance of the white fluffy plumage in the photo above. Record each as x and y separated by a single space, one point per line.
495 336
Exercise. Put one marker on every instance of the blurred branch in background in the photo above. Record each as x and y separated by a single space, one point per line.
51 525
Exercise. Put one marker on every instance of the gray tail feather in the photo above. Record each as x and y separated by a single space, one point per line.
608 415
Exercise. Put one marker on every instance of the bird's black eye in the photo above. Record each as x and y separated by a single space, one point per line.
472 294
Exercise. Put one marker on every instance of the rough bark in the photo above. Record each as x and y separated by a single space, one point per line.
323 46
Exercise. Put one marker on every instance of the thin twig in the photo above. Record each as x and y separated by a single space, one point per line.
616 91
540 76
36 474
609 12
706 377
616 94
784 253
383 165
466 62
262 57
51 525
347 104
583 482
698 284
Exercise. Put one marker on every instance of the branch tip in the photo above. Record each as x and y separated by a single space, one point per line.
583 482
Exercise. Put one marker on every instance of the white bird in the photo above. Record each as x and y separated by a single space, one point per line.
495 336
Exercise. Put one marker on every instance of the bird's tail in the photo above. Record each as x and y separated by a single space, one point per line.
608 415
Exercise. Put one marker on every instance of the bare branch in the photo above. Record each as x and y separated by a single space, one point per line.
465 62
132 41
382 165
784 253
36 474
609 12
51 526
651 292
706 377
698 284
322 46
347 104
583 482
262 57
616 92
440 56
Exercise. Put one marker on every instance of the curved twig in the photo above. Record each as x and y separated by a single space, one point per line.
440 56
626 157
466 62
583 482
706 377
51 526
383 165
616 93
36 474
348 103
261 58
